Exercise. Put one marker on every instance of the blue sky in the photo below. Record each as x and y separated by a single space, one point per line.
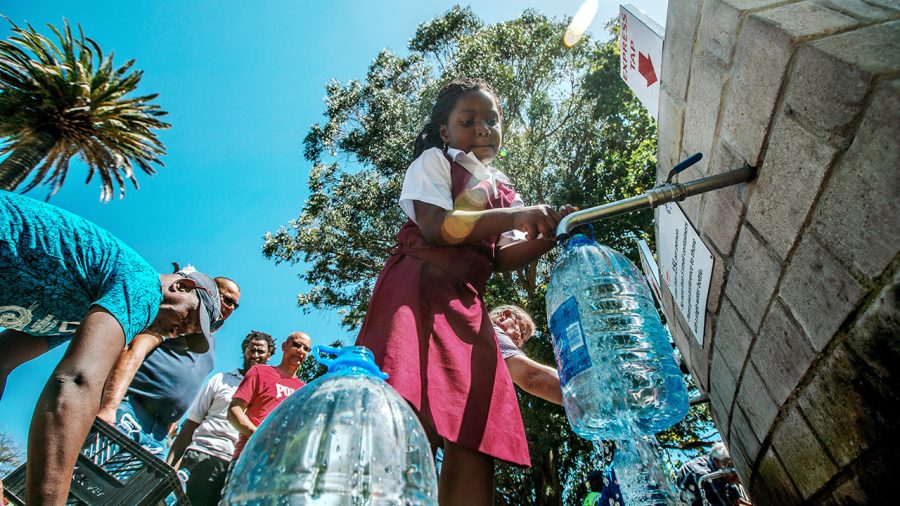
243 82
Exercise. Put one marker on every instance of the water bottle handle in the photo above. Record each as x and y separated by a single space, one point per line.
319 349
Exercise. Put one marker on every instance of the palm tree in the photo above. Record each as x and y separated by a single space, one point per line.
58 101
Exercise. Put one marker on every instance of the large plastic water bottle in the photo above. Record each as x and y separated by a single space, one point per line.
346 438
640 474
616 366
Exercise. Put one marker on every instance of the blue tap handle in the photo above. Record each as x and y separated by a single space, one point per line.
318 350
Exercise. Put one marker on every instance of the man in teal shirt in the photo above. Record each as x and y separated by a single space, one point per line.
62 278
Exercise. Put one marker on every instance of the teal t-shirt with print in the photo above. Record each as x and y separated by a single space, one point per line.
55 265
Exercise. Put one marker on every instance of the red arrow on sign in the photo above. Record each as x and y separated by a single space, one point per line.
645 67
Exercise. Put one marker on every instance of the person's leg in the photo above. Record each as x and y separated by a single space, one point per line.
204 486
16 348
467 477
68 405
141 426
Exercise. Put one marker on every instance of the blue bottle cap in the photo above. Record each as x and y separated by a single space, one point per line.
357 359
578 240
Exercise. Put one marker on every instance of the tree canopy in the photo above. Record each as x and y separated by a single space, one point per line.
573 133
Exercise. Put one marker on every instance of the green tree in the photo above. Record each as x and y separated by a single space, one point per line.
10 454
62 100
573 133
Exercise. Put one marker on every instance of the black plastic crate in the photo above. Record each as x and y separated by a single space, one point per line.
111 469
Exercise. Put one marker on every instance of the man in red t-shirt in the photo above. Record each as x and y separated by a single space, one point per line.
264 387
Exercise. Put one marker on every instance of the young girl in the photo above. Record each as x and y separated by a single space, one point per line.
427 323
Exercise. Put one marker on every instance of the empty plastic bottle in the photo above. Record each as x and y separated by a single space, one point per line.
640 474
616 366
346 438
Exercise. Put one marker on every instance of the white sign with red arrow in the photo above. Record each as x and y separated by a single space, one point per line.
640 43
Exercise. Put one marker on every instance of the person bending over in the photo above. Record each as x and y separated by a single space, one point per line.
154 381
63 278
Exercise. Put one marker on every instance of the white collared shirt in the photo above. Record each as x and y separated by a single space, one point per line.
215 435
428 180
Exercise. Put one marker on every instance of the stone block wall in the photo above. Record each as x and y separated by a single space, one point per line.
802 346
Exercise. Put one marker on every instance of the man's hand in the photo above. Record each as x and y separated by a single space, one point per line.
237 415
108 415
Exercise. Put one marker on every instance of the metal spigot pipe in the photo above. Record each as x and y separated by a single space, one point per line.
662 194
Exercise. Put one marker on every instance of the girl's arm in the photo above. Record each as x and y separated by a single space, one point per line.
521 253
441 227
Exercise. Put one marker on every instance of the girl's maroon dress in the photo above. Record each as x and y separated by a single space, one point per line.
429 330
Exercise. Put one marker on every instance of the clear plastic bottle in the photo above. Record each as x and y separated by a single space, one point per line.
616 366
640 474
346 438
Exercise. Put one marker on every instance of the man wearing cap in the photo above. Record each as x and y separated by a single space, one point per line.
154 380
62 278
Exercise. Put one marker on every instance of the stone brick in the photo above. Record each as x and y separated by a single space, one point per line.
787 184
850 493
702 112
805 19
699 364
732 339
847 406
763 51
772 485
819 292
716 284
742 432
721 381
719 412
874 336
782 354
742 464
856 218
681 26
756 403
720 23
859 9
719 26
830 78
671 122
723 208
752 278
876 473
801 453
887 4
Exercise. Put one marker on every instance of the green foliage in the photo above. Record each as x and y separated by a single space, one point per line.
62 100
10 454
573 133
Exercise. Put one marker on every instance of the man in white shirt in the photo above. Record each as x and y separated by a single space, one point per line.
514 327
205 444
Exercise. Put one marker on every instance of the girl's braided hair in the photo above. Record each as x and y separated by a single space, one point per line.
430 136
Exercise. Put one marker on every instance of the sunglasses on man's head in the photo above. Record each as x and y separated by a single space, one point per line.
230 302
301 346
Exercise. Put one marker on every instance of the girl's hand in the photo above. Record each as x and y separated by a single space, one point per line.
535 220
567 209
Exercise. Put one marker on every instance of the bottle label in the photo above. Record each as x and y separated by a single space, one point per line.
572 354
